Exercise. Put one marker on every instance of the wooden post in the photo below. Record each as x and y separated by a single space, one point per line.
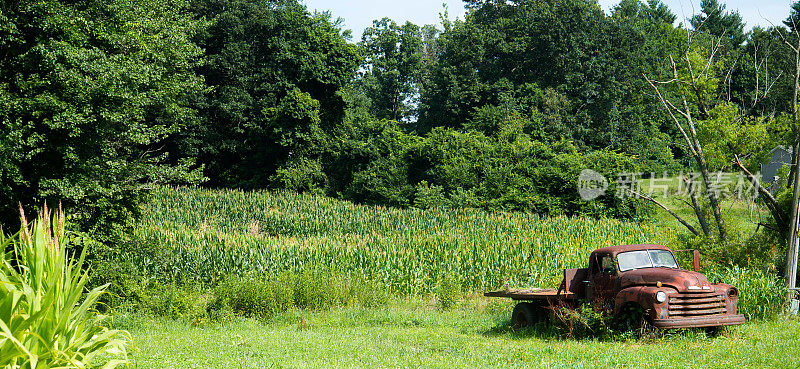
794 238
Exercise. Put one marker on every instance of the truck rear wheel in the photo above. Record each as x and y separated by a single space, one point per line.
526 314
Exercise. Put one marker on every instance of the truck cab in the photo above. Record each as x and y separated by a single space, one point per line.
649 277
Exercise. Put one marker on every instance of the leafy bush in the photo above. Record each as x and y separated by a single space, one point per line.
300 175
503 168
46 317
127 290
447 292
761 295
511 171
254 297
427 196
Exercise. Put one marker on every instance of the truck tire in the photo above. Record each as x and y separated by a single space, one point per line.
633 318
526 315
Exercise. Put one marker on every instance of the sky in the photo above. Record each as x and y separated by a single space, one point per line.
359 14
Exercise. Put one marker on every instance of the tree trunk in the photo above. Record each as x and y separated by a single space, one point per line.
698 210
794 245
792 249
703 165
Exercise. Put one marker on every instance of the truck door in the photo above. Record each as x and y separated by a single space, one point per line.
603 280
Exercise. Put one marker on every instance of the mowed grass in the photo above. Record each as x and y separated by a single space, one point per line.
414 334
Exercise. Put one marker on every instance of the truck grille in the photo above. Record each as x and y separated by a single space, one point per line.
697 304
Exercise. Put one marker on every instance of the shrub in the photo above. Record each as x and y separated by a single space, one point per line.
447 292
427 196
127 290
46 317
586 321
252 297
185 302
300 175
760 250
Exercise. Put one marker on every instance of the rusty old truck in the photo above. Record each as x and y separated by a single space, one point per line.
643 278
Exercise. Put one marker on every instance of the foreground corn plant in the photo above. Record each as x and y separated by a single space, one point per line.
47 320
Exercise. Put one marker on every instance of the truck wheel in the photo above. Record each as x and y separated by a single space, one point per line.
633 318
713 331
525 315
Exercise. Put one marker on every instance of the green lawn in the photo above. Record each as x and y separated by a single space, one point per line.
415 334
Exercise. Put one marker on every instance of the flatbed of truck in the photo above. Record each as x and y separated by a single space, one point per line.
531 294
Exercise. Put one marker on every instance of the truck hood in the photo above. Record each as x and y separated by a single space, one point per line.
681 280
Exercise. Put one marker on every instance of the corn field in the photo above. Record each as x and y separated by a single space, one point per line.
199 235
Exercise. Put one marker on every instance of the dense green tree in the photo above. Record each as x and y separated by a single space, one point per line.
793 20
394 61
657 11
494 164
716 21
509 171
274 71
565 60
653 11
371 164
90 91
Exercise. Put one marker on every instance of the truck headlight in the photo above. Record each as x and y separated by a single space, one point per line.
661 296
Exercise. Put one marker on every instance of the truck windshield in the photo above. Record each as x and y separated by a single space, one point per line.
646 259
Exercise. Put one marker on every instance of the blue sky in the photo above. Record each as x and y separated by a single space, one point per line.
359 14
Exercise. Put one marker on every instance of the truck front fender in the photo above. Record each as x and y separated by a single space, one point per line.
644 296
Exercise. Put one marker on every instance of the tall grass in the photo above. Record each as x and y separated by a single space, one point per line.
762 295
204 235
46 318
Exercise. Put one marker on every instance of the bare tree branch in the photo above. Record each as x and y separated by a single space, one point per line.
678 217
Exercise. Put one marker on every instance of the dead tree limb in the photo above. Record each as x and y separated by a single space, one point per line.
678 217
769 200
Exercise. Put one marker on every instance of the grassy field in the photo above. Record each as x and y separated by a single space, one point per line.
203 235
414 334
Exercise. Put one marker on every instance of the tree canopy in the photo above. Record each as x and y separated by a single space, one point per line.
89 93
101 100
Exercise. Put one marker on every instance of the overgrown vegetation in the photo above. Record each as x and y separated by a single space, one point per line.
47 317
763 294
214 254
202 236
424 162
265 296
